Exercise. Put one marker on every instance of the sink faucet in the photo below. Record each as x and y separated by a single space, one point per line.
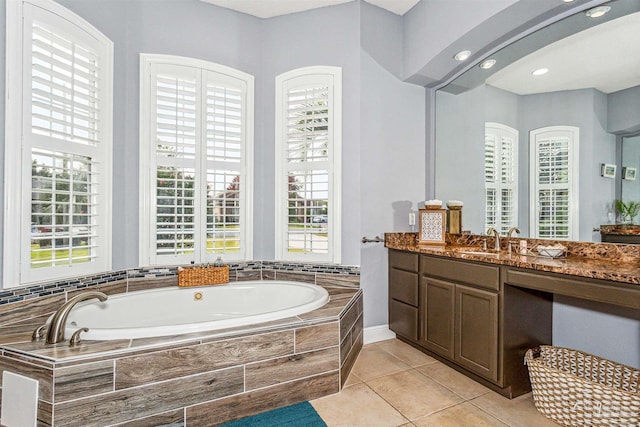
55 334
496 235
512 230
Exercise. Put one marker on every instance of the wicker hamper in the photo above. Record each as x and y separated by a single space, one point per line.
578 389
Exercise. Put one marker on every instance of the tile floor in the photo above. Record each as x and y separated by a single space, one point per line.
393 384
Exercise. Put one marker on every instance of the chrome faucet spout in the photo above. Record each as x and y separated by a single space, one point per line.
55 334
496 235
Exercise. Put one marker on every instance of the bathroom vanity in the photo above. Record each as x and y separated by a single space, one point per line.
479 311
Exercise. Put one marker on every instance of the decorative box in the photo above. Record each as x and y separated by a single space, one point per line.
432 227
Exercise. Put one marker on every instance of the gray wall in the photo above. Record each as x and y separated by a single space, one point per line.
585 109
624 111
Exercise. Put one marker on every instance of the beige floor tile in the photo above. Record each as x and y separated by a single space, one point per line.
409 355
463 415
453 380
352 379
357 406
414 394
374 362
518 412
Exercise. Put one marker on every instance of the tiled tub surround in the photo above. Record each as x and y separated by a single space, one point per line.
603 261
199 379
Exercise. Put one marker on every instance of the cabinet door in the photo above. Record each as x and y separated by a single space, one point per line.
476 331
437 308
403 319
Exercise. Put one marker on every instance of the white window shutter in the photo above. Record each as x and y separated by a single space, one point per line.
197 140
308 134
554 182
501 177
63 163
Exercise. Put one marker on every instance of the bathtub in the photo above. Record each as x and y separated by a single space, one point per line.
173 311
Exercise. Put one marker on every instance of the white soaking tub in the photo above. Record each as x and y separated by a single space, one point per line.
172 311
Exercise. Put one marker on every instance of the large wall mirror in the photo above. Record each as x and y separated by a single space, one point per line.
521 146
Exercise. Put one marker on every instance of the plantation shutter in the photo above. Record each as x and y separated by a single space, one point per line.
67 139
176 136
307 154
553 183
199 125
501 177
308 168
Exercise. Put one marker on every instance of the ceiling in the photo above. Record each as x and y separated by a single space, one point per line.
605 57
271 8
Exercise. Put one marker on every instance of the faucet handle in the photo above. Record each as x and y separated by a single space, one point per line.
40 332
75 338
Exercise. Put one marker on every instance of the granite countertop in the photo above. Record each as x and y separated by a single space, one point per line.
591 260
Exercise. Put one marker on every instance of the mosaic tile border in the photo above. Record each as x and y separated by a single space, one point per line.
50 288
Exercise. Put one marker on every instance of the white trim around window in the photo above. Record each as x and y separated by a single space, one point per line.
205 150
59 102
309 164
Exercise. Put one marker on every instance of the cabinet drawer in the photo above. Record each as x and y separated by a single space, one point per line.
403 319
403 286
403 260
484 276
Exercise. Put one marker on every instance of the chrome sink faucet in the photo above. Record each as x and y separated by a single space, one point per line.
496 236
55 334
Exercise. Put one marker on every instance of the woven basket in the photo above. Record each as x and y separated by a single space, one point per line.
200 276
578 389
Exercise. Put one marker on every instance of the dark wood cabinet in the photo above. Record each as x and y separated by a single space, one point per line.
403 294
437 310
476 331
467 315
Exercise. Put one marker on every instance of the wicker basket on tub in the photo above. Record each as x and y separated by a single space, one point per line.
203 275
578 389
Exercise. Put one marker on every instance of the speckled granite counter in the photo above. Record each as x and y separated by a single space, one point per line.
604 261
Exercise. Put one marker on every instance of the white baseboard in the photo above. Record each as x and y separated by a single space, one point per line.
377 333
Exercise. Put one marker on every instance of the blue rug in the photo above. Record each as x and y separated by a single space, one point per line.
298 415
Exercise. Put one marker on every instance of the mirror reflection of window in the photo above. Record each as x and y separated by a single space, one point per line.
500 177
554 182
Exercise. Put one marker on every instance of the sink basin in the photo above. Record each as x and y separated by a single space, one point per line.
479 251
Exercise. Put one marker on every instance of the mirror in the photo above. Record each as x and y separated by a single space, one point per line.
630 183
578 51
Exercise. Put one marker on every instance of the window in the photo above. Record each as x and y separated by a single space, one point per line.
195 161
308 164
500 177
554 182
59 102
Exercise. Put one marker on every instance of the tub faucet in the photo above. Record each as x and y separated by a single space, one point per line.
496 235
55 334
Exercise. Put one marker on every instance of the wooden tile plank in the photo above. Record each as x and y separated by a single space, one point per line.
83 380
125 405
247 404
162 365
166 419
318 336
263 374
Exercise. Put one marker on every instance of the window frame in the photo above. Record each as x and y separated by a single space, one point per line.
573 187
499 131
305 76
147 197
17 162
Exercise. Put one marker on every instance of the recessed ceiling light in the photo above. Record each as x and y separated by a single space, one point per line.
462 55
488 64
540 71
568 1
597 12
